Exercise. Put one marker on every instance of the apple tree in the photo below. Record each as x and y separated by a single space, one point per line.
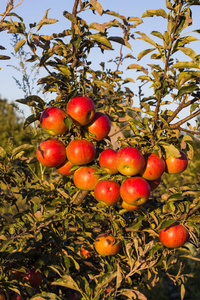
58 238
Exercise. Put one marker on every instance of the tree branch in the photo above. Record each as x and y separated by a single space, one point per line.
182 105
80 197
9 7
176 125
74 11
189 131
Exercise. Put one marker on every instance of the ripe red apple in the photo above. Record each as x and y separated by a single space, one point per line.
128 206
175 165
107 161
154 167
16 297
85 179
135 190
105 244
51 152
174 236
99 127
107 191
154 183
2 296
64 169
129 161
80 152
85 253
52 120
34 277
81 110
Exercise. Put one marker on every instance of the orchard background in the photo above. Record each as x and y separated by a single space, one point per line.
46 221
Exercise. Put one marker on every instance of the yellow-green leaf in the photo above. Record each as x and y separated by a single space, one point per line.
97 26
19 44
138 67
102 39
97 6
155 12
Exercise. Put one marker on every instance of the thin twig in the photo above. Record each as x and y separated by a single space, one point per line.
166 64
191 116
189 131
182 105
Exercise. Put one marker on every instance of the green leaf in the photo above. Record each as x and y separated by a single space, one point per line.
155 12
146 38
113 13
2 153
138 67
166 223
102 39
171 150
70 17
76 42
106 85
182 291
120 40
68 282
21 148
193 107
158 34
68 122
144 52
188 51
103 280
19 44
32 118
45 296
46 22
97 26
97 6
186 65
4 57
187 89
129 80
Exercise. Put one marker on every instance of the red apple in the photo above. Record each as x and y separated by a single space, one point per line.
34 277
85 179
52 120
154 183
81 110
105 244
175 165
129 161
154 167
85 253
174 236
99 127
51 152
128 206
107 191
2 296
64 169
80 152
135 190
107 161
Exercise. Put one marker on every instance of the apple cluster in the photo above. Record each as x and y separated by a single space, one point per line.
142 172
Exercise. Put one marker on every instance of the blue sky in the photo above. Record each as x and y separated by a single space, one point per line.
33 11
